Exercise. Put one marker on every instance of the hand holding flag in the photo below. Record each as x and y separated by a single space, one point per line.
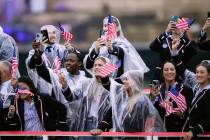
67 35
184 23
176 96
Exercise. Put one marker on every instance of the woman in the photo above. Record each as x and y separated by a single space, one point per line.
133 112
197 121
119 50
172 99
96 100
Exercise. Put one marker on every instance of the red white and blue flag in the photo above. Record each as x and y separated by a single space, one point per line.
111 33
66 35
178 98
107 69
184 23
57 63
167 107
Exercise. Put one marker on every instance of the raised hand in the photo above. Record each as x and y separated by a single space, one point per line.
68 45
206 25
175 44
63 80
11 111
109 45
99 43
171 26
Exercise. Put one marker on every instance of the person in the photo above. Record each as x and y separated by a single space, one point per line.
119 50
71 83
203 43
8 47
32 111
7 88
197 121
172 110
134 112
7 91
96 99
72 77
9 51
50 51
163 43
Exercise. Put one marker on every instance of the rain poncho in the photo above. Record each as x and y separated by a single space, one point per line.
132 60
77 83
135 113
42 85
91 109
8 47
6 94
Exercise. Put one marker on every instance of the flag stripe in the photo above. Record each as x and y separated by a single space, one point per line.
107 69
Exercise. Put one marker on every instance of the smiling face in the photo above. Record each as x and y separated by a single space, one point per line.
72 63
98 64
202 75
52 35
169 72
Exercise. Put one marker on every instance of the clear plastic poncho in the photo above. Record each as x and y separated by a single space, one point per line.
135 113
132 60
90 110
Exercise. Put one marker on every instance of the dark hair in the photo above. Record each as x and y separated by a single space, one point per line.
74 51
205 64
177 78
29 82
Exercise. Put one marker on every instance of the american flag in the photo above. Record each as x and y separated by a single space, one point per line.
182 23
57 63
167 107
178 98
67 35
111 33
107 69
14 64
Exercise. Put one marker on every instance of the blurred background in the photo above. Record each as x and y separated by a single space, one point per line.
142 21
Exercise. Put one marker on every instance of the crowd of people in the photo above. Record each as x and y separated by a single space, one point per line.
56 94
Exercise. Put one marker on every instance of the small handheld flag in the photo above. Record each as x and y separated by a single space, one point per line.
57 63
67 35
112 33
178 98
107 69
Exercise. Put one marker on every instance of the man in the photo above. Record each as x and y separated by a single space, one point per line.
49 51
73 82
71 77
